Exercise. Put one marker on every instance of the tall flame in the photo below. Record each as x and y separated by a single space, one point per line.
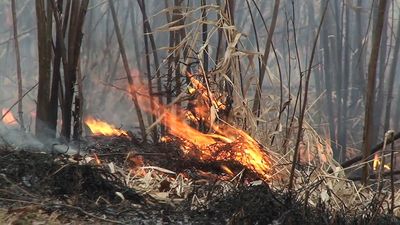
9 118
98 127
226 144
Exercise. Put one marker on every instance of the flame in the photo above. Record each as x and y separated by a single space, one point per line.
98 127
9 118
227 170
227 143
97 159
377 163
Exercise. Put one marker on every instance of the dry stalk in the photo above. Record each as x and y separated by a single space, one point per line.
301 117
257 96
392 165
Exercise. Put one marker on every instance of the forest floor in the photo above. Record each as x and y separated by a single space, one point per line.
119 182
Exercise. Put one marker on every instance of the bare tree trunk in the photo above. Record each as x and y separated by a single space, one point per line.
75 15
372 68
18 60
59 51
44 32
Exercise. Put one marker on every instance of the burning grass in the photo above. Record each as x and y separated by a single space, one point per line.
224 142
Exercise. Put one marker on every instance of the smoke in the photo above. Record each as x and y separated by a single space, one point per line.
18 139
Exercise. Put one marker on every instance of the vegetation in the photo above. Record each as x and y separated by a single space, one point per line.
314 82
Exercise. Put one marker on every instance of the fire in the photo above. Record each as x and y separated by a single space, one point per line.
98 127
227 170
377 163
8 119
98 162
226 143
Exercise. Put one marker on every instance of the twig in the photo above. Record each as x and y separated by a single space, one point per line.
62 205
19 99
19 35
13 184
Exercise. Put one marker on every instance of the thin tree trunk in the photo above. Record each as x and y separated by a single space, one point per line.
149 36
372 68
18 60
328 75
342 139
127 70
204 35
390 84
379 101
358 75
337 43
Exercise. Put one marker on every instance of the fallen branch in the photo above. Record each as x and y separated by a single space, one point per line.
373 150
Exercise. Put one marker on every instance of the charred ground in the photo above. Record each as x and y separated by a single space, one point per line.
60 189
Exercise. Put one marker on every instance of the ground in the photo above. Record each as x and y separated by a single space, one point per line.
122 182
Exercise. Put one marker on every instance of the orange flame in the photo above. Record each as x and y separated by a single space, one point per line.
98 127
226 144
227 170
98 162
8 119
377 163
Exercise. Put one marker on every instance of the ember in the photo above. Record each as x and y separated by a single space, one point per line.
98 127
